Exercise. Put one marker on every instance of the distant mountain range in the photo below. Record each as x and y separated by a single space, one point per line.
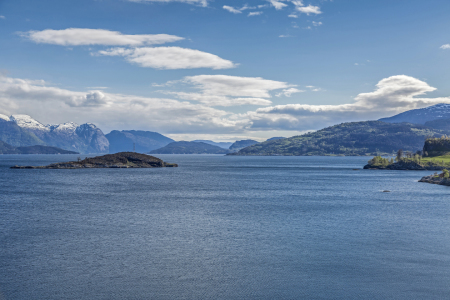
37 149
406 130
422 115
190 148
23 130
224 145
238 145
144 141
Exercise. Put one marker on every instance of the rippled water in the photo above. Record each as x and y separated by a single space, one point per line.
222 228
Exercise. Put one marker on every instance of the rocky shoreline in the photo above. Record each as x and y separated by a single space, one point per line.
118 160
404 165
435 180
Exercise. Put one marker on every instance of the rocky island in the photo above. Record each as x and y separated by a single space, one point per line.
118 160
441 179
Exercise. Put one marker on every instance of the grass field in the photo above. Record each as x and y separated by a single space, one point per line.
438 159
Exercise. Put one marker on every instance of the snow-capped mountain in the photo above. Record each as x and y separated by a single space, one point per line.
422 115
85 138
27 122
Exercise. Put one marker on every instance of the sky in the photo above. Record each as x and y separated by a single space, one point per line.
222 70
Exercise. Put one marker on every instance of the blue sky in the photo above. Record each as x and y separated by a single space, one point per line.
222 70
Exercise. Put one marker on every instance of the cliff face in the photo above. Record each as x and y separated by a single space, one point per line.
436 147
93 137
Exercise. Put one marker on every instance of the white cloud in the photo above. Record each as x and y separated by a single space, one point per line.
170 58
86 36
254 13
446 46
313 88
2 17
293 16
310 9
316 23
245 7
285 36
289 92
224 90
239 10
236 86
232 10
297 2
203 3
393 95
277 4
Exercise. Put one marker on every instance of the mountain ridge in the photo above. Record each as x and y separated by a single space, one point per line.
84 138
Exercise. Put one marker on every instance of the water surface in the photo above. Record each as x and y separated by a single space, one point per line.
222 227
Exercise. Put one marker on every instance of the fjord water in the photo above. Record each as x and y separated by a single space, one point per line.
222 227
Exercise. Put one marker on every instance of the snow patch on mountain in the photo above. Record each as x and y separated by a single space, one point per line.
69 127
422 115
25 121
4 118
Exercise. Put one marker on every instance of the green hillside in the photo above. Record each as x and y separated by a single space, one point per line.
356 138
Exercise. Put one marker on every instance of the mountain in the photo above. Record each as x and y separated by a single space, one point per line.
23 130
16 136
440 124
357 138
275 138
190 148
224 145
37 149
422 115
145 141
238 145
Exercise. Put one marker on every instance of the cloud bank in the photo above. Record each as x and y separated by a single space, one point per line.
51 104
393 95
110 111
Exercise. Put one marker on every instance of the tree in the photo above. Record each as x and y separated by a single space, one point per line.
399 154
446 173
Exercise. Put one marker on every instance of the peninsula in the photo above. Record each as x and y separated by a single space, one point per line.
118 160
434 156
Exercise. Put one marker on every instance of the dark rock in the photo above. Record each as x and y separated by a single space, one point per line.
118 160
